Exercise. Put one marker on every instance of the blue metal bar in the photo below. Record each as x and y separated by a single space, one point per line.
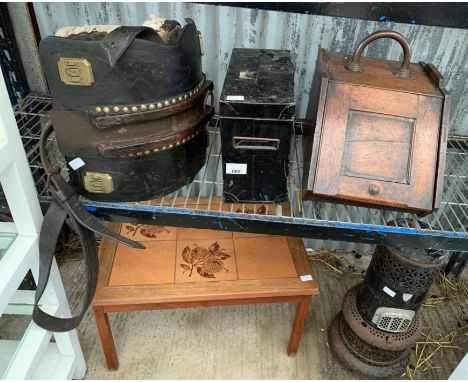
280 225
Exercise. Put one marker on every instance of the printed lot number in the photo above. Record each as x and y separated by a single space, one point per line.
236 168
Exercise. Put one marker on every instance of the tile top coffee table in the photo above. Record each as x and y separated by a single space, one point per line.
184 267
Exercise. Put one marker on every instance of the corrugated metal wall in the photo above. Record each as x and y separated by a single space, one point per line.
224 28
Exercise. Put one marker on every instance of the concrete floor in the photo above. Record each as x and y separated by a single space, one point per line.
242 342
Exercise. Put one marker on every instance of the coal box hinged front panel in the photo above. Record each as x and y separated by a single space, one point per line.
257 110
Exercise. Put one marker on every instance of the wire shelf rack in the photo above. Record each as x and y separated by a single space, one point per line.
200 204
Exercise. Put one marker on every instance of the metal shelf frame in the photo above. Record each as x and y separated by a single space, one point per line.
38 353
200 204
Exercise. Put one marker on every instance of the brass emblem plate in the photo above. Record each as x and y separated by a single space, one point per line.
75 71
98 183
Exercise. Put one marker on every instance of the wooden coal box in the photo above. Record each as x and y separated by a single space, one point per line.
376 130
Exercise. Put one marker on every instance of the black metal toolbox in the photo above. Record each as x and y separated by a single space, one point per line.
257 110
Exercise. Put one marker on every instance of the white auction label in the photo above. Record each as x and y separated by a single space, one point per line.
306 278
235 98
236 168
76 163
390 292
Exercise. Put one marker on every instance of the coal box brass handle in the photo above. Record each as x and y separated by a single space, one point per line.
373 189
403 72
255 143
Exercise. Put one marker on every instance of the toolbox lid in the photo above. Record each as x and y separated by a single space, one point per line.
259 84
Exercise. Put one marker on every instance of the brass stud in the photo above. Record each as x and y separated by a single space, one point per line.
134 109
171 146
185 96
192 136
139 153
106 109
174 100
163 148
131 155
147 152
177 143
98 109
180 98
166 103
190 93
183 140
116 109
143 107
152 107
160 105
155 150
125 109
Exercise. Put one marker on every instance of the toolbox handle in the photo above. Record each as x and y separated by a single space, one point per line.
403 72
209 94
255 143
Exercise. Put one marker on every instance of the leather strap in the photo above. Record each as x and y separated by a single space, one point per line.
106 121
66 206
116 42
51 227
148 144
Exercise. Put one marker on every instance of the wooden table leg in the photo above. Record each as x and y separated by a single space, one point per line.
298 328
107 340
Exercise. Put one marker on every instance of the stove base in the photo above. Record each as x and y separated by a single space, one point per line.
362 358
